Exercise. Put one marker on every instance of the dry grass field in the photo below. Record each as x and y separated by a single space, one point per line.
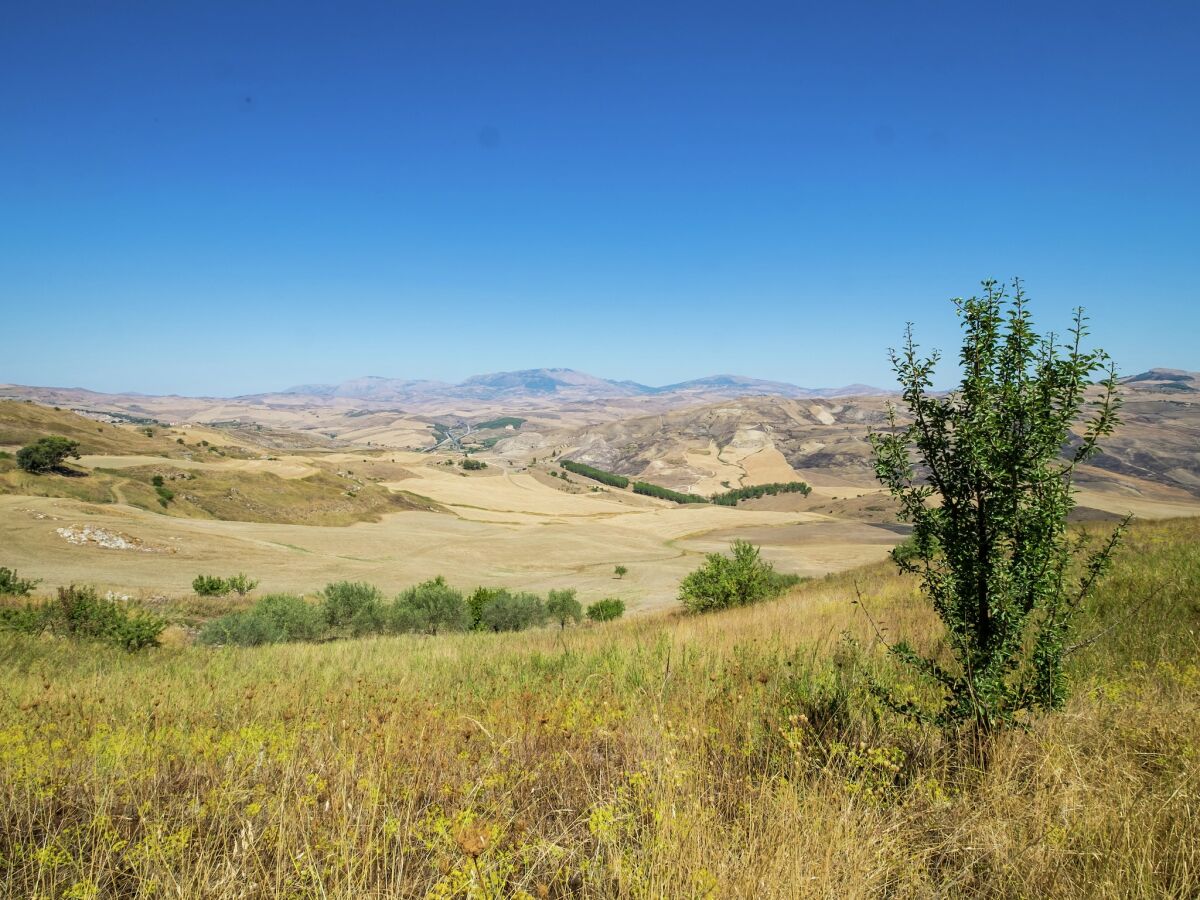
734 755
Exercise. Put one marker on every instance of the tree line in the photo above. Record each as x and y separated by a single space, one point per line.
609 478
358 609
662 493
754 491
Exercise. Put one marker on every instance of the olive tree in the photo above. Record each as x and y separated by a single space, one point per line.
46 454
984 474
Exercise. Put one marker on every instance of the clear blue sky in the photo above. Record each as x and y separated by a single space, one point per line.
211 197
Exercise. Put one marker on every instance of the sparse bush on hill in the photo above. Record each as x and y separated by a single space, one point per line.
473 465
609 478
11 584
740 579
606 610
620 571
984 474
662 493
46 454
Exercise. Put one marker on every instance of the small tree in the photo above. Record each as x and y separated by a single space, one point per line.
46 454
727 581
241 584
988 498
620 571
606 610
563 607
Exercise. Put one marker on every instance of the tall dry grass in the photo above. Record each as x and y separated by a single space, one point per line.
734 755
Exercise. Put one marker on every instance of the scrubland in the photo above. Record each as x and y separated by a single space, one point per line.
739 754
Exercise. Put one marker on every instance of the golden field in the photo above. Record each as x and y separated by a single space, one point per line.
734 755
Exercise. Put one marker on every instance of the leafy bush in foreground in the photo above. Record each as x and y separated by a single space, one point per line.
727 581
606 610
81 613
274 619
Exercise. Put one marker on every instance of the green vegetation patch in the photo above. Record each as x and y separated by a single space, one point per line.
662 493
609 478
753 492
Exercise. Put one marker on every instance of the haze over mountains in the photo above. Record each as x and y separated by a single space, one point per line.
565 384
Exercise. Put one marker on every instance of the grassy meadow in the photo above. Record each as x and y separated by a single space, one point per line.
738 754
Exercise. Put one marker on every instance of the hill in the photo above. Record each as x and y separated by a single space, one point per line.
564 385
1151 465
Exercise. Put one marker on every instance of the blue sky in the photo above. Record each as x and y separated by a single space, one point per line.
230 197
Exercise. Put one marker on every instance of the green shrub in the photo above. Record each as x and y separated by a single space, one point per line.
609 478
82 614
12 584
620 571
432 607
513 612
46 454
562 607
343 602
473 465
210 586
274 619
241 584
606 610
727 581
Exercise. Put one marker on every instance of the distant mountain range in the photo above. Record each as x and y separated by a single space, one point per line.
566 384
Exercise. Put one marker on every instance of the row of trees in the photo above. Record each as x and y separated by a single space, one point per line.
728 498
662 493
432 607
753 492
609 478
